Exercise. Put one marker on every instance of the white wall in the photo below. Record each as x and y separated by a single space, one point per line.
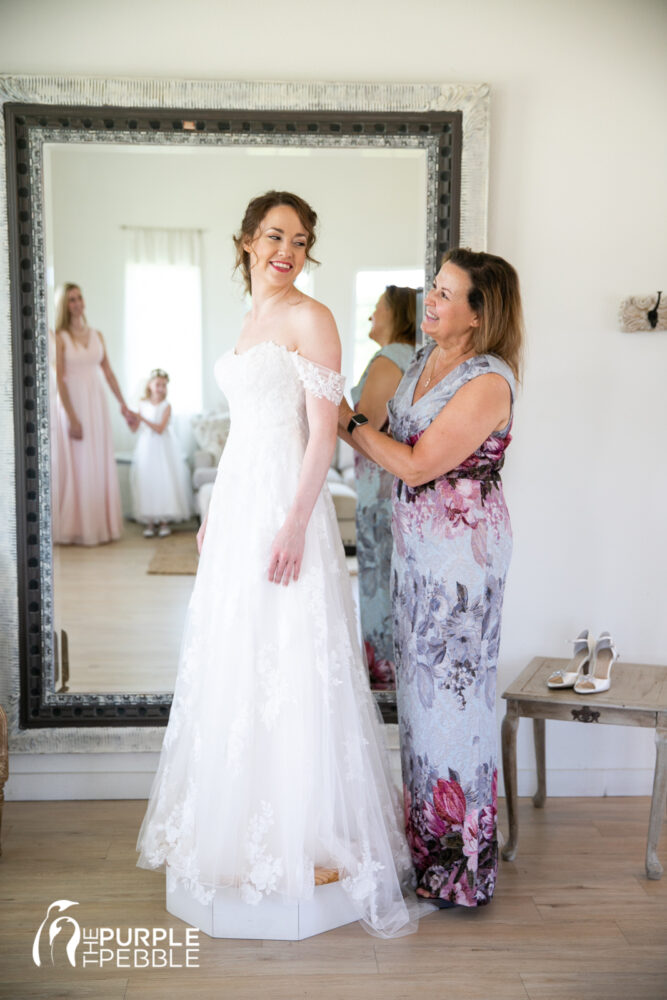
92 191
577 202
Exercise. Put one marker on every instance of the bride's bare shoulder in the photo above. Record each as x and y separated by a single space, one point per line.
316 333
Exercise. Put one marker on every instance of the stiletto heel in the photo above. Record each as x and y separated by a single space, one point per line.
599 676
578 666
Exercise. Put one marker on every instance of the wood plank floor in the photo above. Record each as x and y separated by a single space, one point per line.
574 918
124 624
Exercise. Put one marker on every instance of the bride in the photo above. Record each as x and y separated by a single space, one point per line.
273 762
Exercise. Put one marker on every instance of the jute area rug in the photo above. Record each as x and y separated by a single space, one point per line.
175 555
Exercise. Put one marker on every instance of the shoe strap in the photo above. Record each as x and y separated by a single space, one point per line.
605 641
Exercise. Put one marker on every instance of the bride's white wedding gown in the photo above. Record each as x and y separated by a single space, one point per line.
273 760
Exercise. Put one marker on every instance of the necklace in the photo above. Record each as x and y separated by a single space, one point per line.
431 376
434 369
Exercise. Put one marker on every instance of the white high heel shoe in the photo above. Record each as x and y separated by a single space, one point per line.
578 666
599 676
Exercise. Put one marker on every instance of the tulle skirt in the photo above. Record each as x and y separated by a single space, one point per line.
273 762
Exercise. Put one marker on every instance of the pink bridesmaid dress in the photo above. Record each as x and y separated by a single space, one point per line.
87 508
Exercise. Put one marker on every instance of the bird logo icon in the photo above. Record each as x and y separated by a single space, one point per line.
56 925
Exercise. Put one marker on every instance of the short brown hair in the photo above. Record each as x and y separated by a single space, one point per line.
495 296
256 211
403 305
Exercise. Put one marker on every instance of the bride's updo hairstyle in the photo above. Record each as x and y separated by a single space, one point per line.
254 215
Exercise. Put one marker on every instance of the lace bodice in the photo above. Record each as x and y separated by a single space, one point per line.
266 386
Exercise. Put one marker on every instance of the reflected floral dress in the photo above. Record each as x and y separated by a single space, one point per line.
452 547
374 545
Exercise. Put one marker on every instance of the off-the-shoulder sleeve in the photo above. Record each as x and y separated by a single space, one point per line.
319 380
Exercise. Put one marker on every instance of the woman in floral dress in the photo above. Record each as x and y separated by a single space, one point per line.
450 420
393 327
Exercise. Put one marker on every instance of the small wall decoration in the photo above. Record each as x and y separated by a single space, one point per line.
643 313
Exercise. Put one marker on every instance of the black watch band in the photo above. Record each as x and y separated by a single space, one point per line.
356 420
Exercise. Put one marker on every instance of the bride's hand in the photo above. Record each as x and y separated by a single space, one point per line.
287 553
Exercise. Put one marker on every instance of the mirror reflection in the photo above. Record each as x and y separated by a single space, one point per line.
394 330
139 240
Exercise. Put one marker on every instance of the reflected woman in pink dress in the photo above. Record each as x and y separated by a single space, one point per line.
86 508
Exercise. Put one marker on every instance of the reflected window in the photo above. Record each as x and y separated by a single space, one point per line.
163 313
369 287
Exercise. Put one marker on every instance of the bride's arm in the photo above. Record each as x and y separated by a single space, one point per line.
319 342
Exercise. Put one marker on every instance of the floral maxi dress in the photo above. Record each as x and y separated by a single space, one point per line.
452 547
374 544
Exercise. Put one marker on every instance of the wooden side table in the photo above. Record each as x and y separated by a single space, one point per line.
637 697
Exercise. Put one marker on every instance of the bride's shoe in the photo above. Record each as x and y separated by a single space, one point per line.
578 666
599 676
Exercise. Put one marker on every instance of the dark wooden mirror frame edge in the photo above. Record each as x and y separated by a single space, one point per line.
40 708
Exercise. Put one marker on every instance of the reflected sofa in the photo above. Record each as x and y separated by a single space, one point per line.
210 432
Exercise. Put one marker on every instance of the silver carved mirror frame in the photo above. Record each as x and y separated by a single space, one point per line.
450 122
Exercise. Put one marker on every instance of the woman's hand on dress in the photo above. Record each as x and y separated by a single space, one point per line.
75 429
287 553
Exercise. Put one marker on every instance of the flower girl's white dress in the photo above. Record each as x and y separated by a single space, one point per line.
159 474
273 760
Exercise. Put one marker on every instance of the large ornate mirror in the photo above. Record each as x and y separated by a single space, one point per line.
95 183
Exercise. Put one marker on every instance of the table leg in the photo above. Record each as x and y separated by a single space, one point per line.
540 758
653 866
508 740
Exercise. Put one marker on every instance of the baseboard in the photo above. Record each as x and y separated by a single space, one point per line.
80 776
595 782
130 775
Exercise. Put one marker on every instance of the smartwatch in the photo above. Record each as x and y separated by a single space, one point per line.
356 420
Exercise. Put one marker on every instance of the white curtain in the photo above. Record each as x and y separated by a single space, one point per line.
163 321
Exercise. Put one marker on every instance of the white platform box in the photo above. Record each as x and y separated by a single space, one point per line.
273 919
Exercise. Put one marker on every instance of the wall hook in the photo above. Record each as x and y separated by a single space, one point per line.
652 314
643 313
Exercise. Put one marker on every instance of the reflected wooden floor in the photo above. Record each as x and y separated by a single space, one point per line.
124 625
574 918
